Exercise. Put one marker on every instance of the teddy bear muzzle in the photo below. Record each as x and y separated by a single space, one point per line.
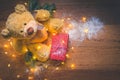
30 31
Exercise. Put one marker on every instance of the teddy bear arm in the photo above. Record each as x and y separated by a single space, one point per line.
19 46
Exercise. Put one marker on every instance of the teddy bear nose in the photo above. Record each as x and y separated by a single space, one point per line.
30 31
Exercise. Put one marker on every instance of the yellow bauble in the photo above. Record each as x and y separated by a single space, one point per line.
42 15
40 51
54 25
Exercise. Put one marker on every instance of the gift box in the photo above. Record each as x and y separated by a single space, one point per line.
59 47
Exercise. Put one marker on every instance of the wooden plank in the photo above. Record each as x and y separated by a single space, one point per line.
101 53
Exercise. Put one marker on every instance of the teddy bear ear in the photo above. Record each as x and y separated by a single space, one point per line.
20 8
5 33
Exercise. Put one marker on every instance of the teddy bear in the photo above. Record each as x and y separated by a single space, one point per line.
53 25
27 34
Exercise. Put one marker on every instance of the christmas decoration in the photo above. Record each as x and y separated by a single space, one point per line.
43 39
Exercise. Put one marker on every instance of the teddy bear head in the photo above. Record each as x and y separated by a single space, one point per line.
21 24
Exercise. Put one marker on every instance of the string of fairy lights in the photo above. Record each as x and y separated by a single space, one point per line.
9 51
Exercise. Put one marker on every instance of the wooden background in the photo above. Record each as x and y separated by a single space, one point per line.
102 53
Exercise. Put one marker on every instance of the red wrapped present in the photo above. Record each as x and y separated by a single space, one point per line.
59 47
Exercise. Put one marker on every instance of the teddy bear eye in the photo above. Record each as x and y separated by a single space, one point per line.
21 31
25 23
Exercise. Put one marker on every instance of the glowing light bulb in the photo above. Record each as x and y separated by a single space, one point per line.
72 48
11 43
27 70
6 46
26 4
54 11
86 30
38 47
45 79
62 63
49 45
13 55
26 50
57 68
68 18
9 65
46 66
18 76
67 55
54 34
6 53
70 25
30 78
32 69
34 57
63 20
84 19
72 66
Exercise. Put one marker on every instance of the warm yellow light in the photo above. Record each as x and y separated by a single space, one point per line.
46 66
18 76
30 78
32 69
54 11
54 34
6 46
72 48
63 20
26 4
9 65
13 55
70 25
72 66
11 43
62 63
34 57
84 19
68 18
67 55
57 68
49 45
45 79
26 50
38 47
86 30
6 53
